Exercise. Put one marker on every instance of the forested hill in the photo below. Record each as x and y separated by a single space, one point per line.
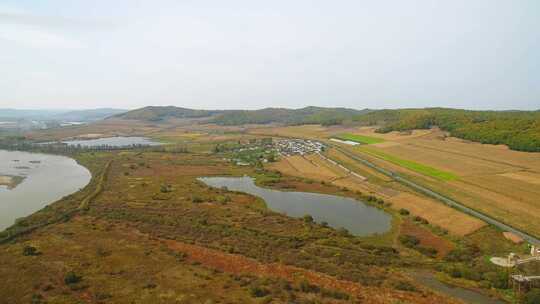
160 113
317 115
307 115
520 130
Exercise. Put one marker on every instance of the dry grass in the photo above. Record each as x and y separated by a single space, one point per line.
116 246
436 213
427 238
527 177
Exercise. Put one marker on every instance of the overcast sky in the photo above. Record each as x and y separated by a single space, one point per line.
254 54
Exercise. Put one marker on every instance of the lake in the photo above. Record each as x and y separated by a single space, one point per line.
118 141
357 217
42 179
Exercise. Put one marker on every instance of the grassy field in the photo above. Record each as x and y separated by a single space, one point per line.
155 234
152 208
363 139
411 165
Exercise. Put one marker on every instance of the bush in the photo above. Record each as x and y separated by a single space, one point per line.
429 251
343 232
405 286
532 297
72 278
403 211
497 279
455 272
258 292
335 294
409 240
196 199
308 218
164 188
29 251
306 287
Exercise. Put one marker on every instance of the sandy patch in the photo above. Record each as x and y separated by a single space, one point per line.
514 238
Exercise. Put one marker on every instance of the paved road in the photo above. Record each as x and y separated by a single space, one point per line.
450 202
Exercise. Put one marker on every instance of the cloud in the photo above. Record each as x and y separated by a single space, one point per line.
37 38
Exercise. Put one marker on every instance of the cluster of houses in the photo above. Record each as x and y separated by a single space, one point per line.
288 147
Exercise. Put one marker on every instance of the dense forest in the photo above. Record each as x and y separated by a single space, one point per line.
307 115
159 113
520 130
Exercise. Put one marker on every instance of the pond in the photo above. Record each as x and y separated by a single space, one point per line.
118 141
30 181
339 212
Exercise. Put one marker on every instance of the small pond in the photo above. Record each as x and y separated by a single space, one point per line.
118 141
339 212
30 181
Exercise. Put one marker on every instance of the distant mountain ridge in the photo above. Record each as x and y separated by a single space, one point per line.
160 113
60 115
237 117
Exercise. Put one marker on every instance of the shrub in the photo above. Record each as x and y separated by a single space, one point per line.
455 272
36 299
497 279
308 218
258 292
429 251
343 232
336 294
403 211
405 286
164 188
29 251
196 199
532 297
409 240
306 287
72 278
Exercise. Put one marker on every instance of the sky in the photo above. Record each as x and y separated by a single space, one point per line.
474 54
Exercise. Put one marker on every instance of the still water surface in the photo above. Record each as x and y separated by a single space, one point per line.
47 178
355 216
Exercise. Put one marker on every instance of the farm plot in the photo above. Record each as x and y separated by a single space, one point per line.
458 165
436 213
303 167
362 139
411 165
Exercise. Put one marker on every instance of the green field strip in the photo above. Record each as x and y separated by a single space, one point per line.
362 139
411 165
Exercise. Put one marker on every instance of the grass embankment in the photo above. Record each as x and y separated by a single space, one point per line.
411 165
362 139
